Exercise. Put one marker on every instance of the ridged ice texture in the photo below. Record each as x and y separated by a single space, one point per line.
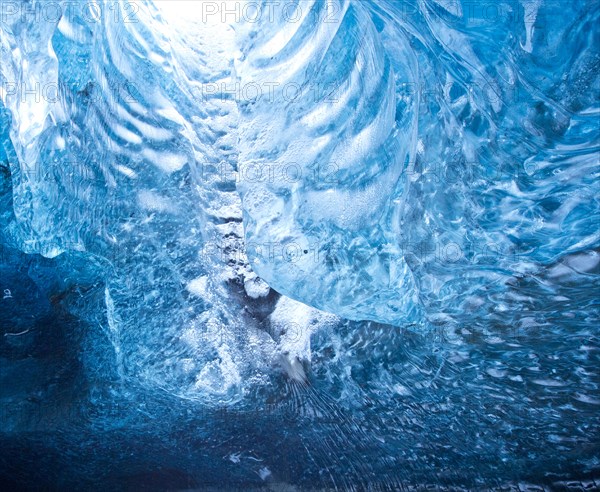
420 159
125 156
114 352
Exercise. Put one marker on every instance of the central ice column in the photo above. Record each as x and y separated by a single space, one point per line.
320 157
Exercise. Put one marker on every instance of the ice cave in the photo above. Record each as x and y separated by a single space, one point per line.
299 245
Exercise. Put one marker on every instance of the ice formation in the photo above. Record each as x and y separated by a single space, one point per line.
360 228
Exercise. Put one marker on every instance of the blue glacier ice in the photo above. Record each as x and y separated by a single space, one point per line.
408 181
299 245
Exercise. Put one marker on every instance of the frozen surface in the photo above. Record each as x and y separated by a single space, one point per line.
312 244
425 160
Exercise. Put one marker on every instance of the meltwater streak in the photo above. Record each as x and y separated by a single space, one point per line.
426 157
